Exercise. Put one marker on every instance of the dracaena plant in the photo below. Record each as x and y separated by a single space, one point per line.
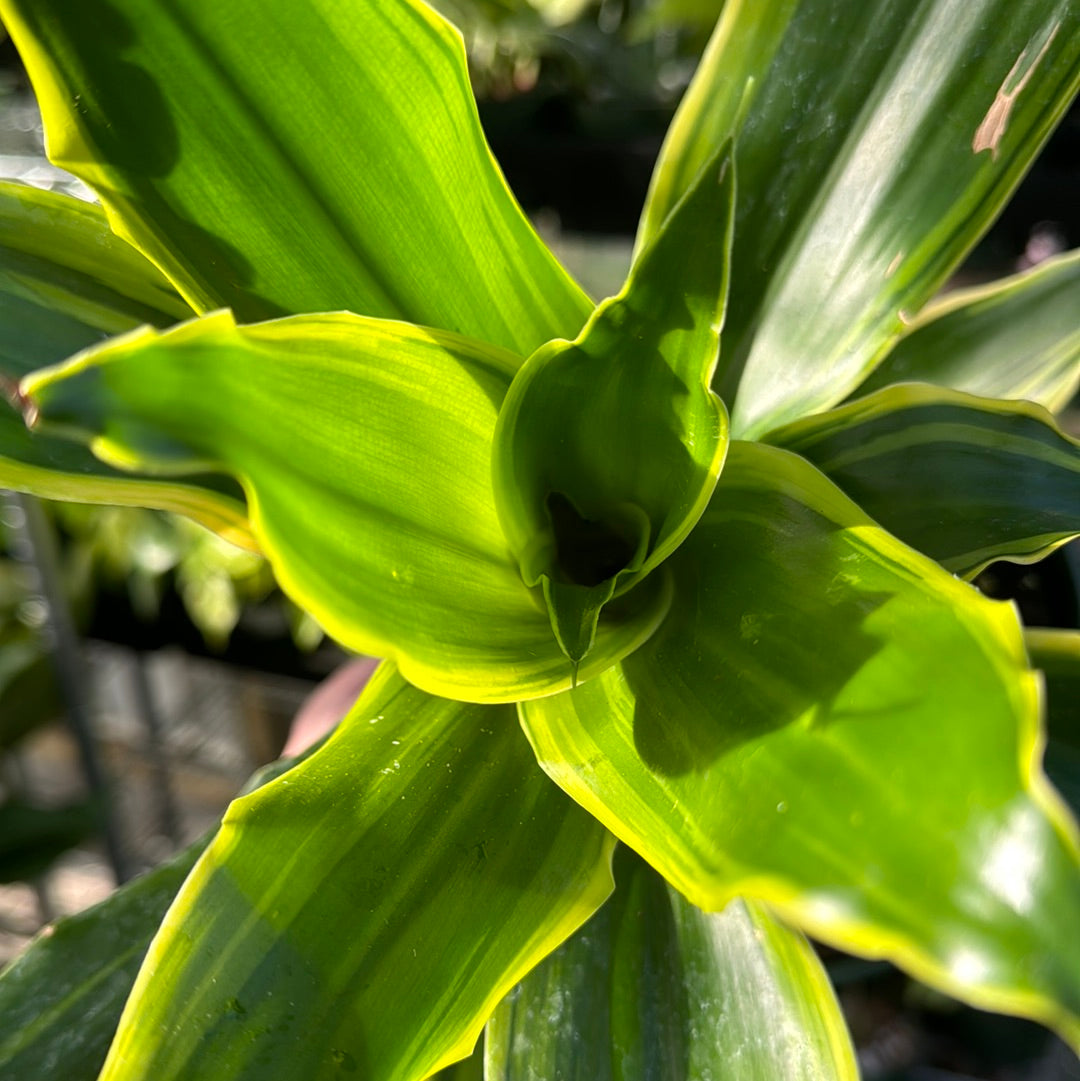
684 572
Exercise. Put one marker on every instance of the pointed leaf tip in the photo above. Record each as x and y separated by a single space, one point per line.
575 613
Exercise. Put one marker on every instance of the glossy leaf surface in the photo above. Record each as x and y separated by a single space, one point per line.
857 195
965 480
367 186
373 502
1016 338
365 913
652 987
595 484
830 722
66 282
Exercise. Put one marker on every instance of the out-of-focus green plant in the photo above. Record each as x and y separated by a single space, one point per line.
596 54
149 552
640 549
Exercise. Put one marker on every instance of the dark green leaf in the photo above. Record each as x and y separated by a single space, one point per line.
1057 654
32 837
61 1000
652 987
965 480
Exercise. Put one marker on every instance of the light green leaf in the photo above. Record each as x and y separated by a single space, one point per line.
830 722
59 470
965 480
365 913
373 502
594 485
367 186
652 987
865 173
742 48
1015 338
61 999
469 1069
66 282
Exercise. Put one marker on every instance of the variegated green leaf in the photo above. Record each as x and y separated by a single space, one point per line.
61 999
366 912
1015 338
965 480
830 722
865 174
652 987
368 186
66 282
59 259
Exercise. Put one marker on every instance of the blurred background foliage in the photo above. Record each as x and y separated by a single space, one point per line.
631 51
148 553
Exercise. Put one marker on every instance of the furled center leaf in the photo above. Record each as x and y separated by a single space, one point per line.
608 447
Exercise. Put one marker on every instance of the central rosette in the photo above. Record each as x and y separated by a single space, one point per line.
608 448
